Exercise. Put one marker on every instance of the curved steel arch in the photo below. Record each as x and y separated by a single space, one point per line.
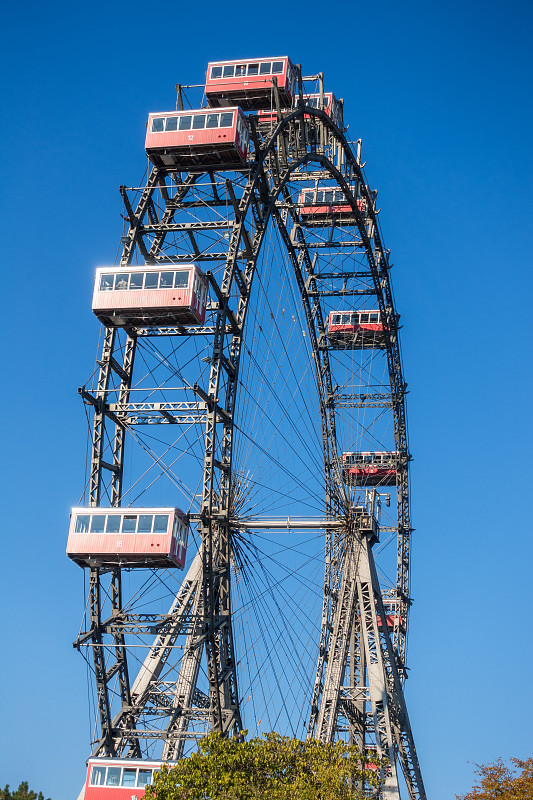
323 723
206 591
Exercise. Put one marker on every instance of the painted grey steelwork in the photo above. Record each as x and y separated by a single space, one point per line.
360 664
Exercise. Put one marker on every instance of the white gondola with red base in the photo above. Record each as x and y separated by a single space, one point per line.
369 469
168 294
355 329
249 83
119 779
327 206
129 537
198 140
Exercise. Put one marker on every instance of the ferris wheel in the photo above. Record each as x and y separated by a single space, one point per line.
245 527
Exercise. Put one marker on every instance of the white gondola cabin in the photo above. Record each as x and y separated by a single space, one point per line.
324 206
369 469
166 294
119 779
249 83
355 329
129 537
198 140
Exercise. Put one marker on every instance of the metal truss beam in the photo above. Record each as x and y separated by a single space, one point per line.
177 227
330 244
376 400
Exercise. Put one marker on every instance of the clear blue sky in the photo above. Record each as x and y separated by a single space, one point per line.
440 94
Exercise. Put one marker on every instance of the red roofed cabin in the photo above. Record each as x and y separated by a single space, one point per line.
393 609
354 329
372 753
249 83
118 779
133 537
369 469
390 619
330 105
198 140
167 294
324 206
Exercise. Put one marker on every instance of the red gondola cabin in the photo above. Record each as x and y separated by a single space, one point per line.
249 83
324 206
131 537
118 779
167 294
197 140
393 610
355 329
330 105
369 469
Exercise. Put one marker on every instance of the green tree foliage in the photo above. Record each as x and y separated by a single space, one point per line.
270 767
22 793
500 781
